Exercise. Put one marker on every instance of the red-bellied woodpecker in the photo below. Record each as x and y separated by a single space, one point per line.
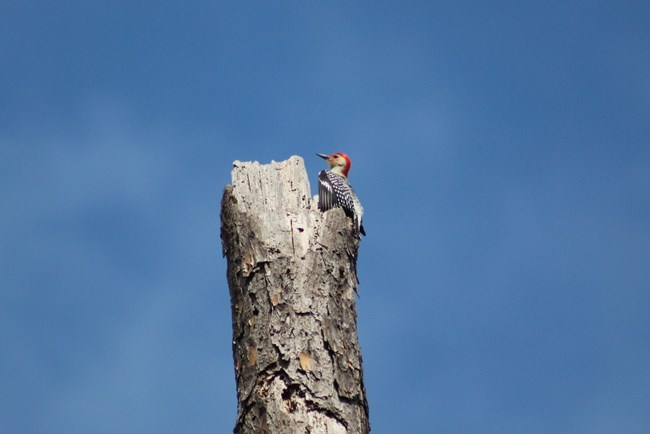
334 189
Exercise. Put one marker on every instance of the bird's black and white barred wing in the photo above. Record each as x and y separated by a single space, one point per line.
326 197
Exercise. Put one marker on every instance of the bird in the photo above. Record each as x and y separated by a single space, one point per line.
335 191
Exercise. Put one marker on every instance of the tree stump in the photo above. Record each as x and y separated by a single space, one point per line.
292 279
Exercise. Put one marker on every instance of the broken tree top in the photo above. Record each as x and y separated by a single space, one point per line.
292 276
278 196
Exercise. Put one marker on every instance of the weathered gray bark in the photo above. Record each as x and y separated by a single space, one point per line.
292 277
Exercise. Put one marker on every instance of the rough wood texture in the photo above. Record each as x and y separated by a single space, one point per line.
292 277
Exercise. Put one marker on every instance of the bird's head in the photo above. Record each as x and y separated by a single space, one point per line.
339 162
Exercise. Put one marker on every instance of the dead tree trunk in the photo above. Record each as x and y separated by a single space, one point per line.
292 277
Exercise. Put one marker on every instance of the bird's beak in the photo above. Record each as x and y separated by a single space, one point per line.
323 156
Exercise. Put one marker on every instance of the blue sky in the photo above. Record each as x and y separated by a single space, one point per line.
500 150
